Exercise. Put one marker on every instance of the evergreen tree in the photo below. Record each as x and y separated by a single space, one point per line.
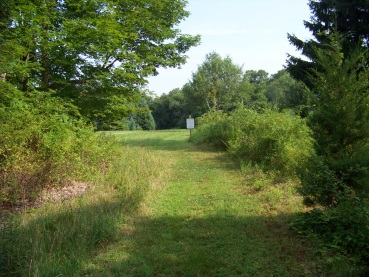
347 17
336 179
340 125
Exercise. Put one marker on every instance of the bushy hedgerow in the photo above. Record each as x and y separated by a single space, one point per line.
278 142
212 128
43 142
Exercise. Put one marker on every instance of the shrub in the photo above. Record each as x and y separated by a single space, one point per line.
342 229
212 128
44 142
278 142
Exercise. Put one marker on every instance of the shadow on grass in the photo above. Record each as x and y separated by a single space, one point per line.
58 242
222 245
87 239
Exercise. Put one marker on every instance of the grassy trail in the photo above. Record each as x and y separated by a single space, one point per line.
202 219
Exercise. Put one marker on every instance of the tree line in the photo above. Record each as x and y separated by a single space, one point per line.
220 84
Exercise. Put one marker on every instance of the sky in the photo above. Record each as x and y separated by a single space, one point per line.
253 33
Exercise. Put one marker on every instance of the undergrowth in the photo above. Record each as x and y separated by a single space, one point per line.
44 142
58 239
276 142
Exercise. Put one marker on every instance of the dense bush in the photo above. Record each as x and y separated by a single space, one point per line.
342 230
43 142
278 142
212 128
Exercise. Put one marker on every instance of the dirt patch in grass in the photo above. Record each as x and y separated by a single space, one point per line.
70 190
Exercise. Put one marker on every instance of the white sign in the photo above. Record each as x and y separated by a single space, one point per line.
190 123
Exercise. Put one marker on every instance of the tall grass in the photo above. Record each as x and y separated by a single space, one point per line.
58 239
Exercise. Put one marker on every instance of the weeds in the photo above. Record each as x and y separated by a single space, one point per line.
60 238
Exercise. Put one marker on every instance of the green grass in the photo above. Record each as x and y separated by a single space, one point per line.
206 219
165 208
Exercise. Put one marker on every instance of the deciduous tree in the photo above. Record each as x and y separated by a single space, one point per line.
92 51
169 110
284 92
253 88
215 85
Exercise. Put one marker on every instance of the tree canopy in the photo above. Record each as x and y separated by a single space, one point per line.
215 85
169 110
220 84
96 53
284 92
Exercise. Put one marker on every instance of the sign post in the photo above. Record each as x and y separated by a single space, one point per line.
190 125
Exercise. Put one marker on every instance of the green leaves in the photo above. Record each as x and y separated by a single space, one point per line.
347 17
93 48
215 85
340 128
44 141
277 142
169 110
336 179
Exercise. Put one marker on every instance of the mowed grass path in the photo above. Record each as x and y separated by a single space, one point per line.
203 219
